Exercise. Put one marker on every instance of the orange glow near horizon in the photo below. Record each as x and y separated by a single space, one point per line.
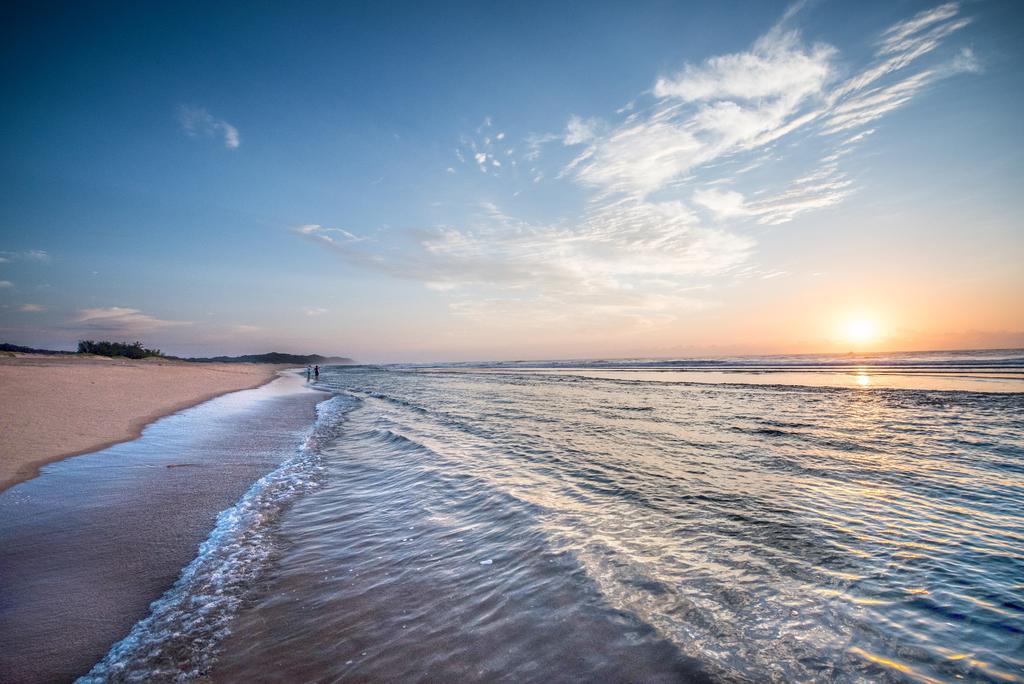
860 330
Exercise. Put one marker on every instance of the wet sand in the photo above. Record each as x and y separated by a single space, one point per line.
53 407
86 547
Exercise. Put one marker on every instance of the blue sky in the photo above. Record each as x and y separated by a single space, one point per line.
407 182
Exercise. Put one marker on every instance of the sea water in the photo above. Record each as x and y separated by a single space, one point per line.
545 522
87 546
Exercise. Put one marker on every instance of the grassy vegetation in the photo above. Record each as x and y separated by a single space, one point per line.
134 350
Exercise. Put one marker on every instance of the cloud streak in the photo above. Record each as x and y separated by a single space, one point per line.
198 122
744 102
120 320
31 255
859 101
579 130
670 182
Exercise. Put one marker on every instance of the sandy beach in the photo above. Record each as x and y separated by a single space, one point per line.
52 407
88 546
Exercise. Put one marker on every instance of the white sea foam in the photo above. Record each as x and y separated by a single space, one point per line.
179 639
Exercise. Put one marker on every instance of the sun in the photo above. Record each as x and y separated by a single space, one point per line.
859 330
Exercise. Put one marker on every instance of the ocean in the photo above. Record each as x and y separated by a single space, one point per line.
760 519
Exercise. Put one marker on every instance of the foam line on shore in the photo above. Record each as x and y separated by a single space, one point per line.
181 635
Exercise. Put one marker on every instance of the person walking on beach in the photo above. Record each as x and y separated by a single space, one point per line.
316 372
309 373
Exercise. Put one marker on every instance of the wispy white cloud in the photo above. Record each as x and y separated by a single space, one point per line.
535 144
817 190
37 255
31 308
896 37
777 66
6 283
726 105
121 320
316 230
875 103
965 62
723 204
611 255
673 184
800 198
314 310
740 103
197 121
579 130
859 100
485 148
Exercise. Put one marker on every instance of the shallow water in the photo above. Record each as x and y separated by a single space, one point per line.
85 547
453 524
988 370
537 527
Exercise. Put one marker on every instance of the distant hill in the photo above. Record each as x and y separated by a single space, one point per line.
276 357
272 357
5 347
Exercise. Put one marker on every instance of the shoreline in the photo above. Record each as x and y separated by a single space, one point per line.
44 434
110 528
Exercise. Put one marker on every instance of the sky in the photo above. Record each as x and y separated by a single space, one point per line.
484 181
